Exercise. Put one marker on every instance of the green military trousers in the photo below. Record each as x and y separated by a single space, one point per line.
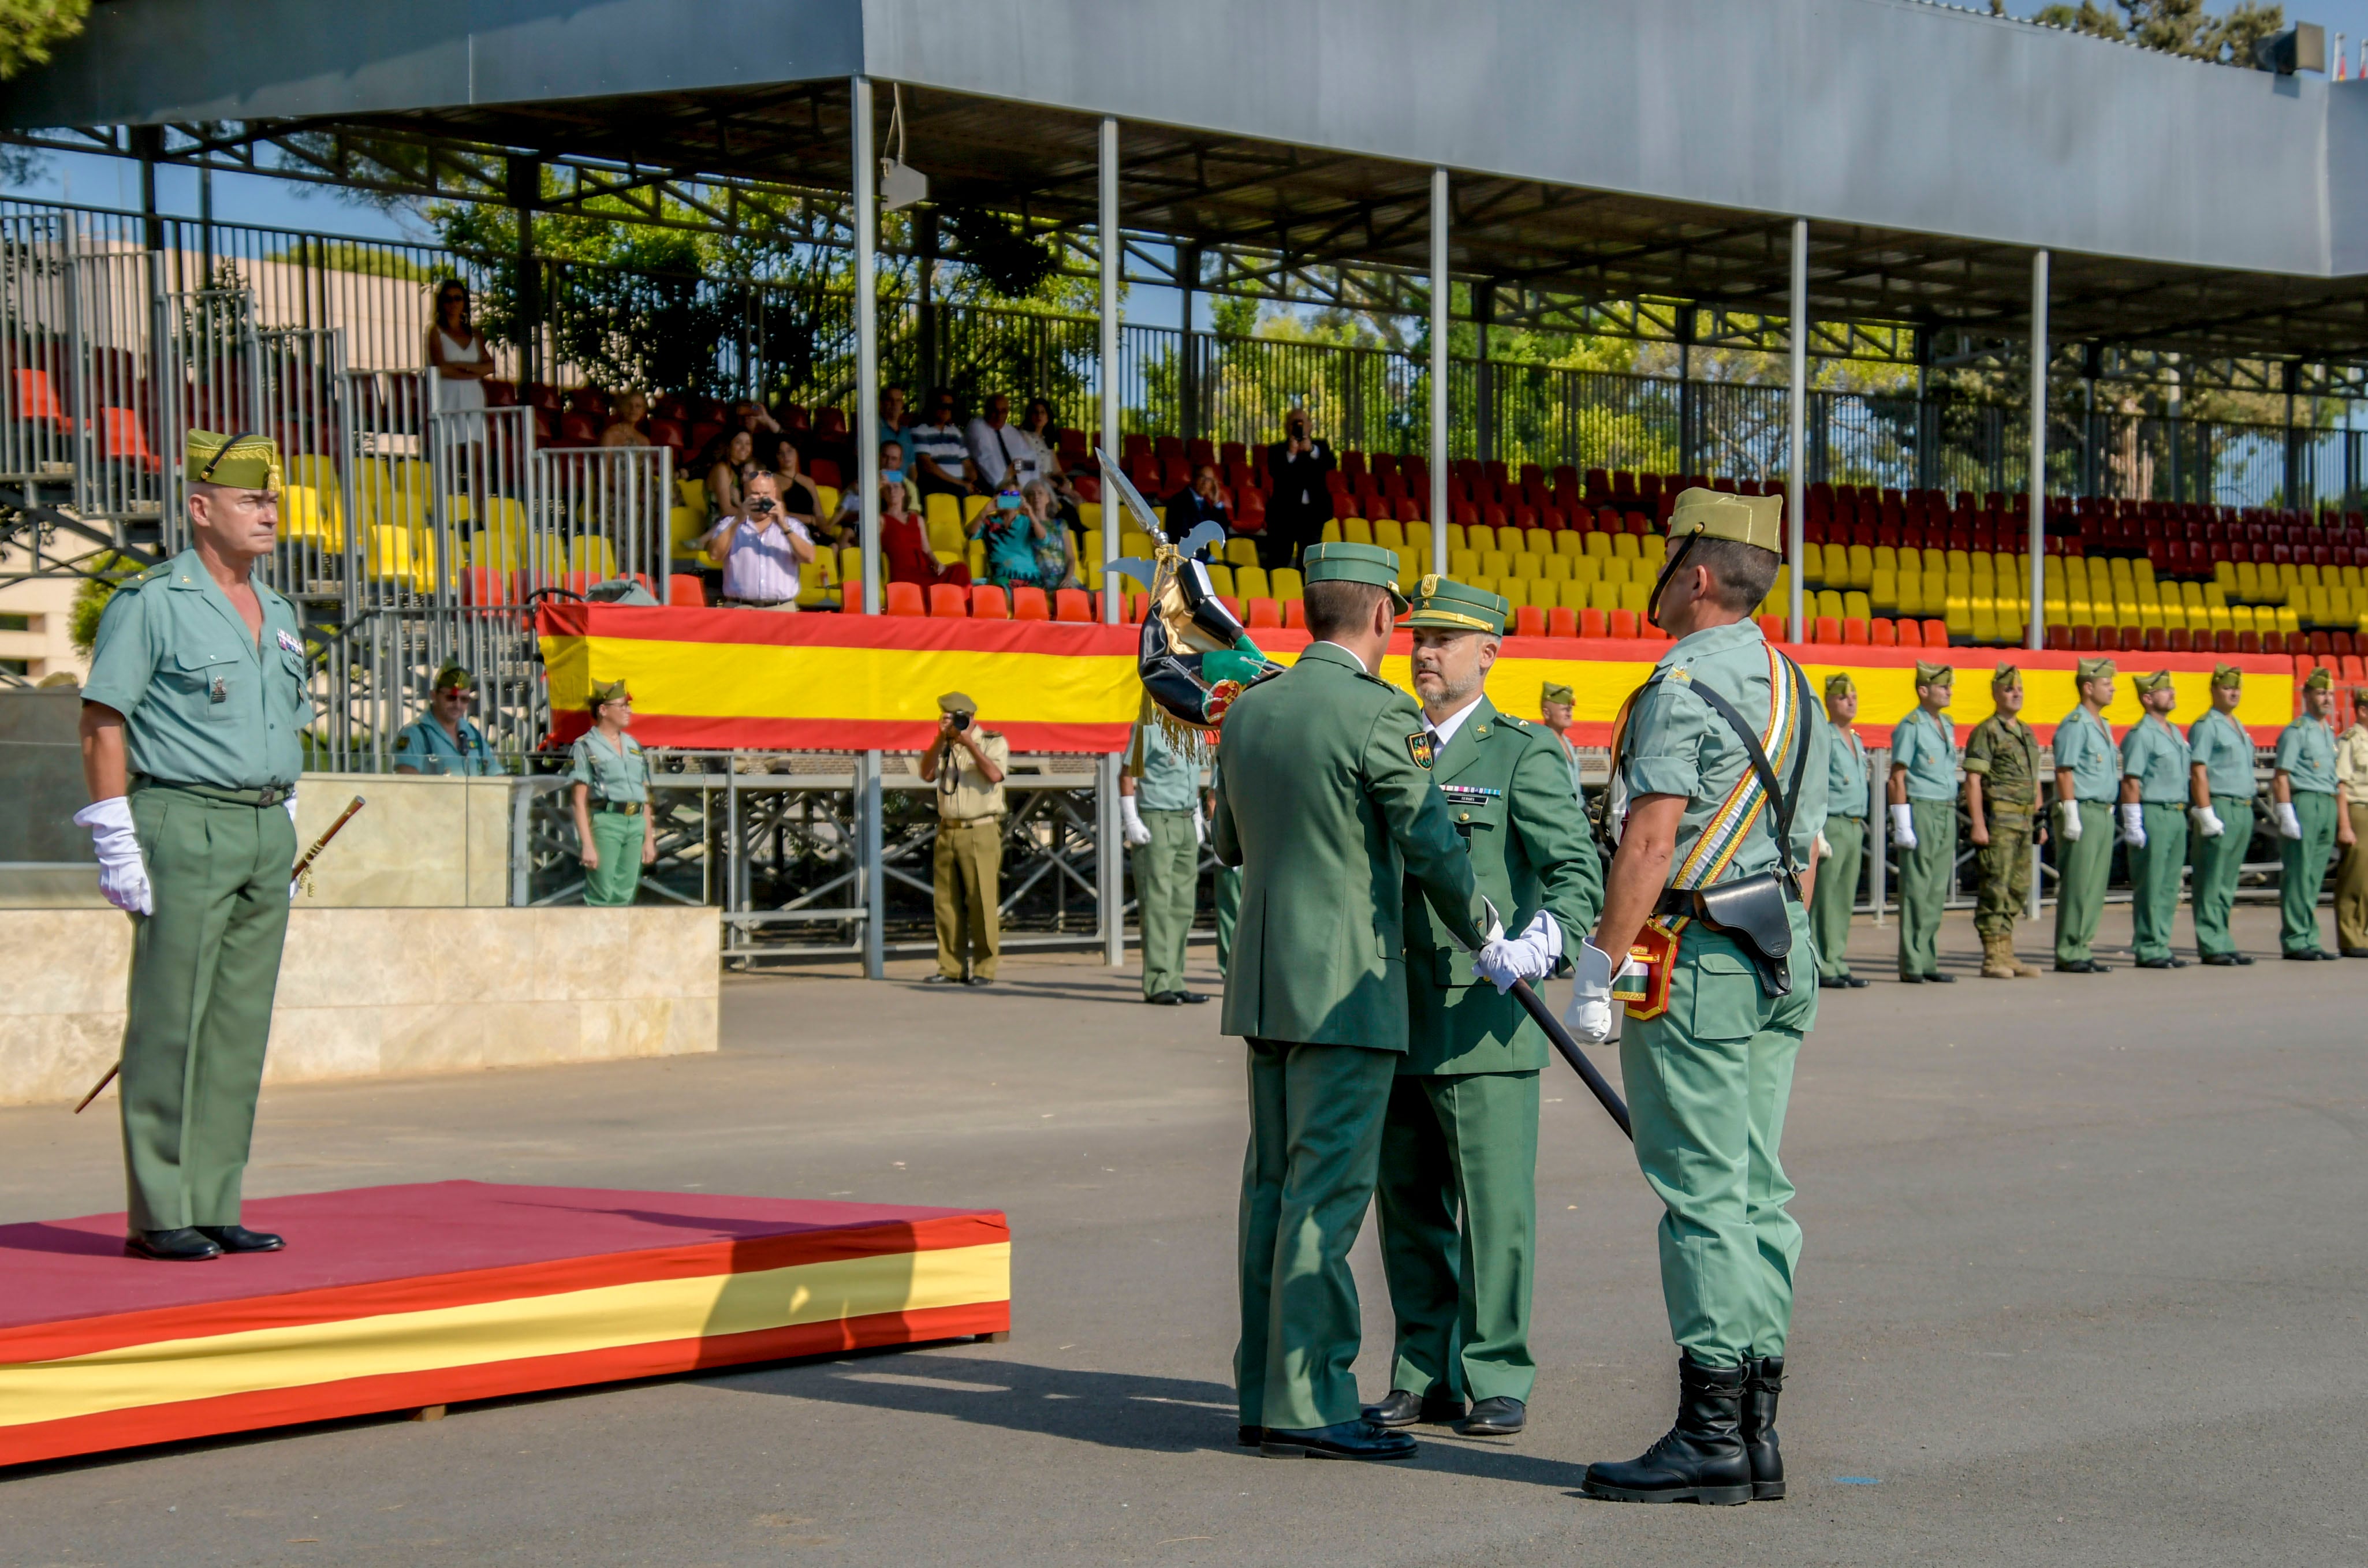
2081 871
1227 891
617 879
2352 886
1461 1147
1926 875
2005 867
1836 893
2154 880
967 869
1307 1176
1167 878
2302 869
1707 1085
204 966
2218 862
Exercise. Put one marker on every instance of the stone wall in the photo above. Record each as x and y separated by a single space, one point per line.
371 992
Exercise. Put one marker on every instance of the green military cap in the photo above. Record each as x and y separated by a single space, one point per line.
1442 604
1935 675
1756 520
2319 679
1840 684
1550 692
607 691
243 462
2228 675
956 702
1356 563
2006 674
453 676
2096 669
2149 685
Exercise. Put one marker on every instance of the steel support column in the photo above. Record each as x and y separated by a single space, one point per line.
1796 480
1110 864
866 425
1439 371
2038 482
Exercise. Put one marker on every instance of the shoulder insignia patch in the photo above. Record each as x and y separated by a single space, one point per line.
1508 718
1419 748
403 741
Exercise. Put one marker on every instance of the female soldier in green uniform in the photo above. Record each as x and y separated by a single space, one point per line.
613 799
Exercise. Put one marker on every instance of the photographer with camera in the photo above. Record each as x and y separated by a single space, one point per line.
1301 501
967 764
762 547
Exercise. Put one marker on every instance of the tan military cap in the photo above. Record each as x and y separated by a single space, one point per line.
2006 674
1756 520
956 702
607 691
2149 685
2228 675
1840 684
2096 669
2319 679
1550 692
243 462
1935 675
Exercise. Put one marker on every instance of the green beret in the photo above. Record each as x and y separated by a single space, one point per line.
2319 679
454 677
1550 692
1756 520
607 691
1935 675
956 702
2149 685
2228 675
2006 674
2096 669
1368 563
1442 604
243 462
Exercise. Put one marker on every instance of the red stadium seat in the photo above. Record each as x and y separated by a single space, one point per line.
1593 622
1029 604
1854 630
2059 639
1910 632
2153 640
1529 621
987 602
485 585
1265 613
1936 634
1073 605
1884 632
685 591
1560 622
1295 614
2181 642
1772 628
1623 623
1137 607
1825 629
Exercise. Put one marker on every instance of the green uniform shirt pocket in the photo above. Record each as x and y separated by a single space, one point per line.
1722 996
213 681
1452 967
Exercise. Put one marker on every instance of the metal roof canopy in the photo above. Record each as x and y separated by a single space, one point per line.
2188 208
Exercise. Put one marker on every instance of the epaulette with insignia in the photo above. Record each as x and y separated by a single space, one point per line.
1515 723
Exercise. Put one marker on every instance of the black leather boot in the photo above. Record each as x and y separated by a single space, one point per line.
1437 1408
1701 1460
1762 1381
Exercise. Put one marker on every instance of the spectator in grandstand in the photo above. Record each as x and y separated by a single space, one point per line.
892 423
966 764
942 452
1038 430
751 415
844 527
905 545
732 454
1057 553
1195 504
800 499
1301 503
457 351
1013 540
627 416
1003 458
762 548
445 740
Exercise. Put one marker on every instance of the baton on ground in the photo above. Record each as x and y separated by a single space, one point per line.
303 864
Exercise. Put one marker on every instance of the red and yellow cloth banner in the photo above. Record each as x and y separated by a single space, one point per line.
727 678
403 1297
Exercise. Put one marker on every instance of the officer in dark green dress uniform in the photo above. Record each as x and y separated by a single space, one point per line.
1458 1204
1323 798
191 730
445 740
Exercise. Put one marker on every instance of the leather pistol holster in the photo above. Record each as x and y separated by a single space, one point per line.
1752 910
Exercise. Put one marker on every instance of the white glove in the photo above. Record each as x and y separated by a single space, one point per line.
1590 1015
1825 850
1530 956
2207 822
2133 824
122 876
2069 813
1130 826
1200 828
1903 826
2289 824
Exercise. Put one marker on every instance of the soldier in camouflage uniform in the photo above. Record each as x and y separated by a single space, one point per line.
2002 802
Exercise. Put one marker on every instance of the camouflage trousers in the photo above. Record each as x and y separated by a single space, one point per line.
2005 864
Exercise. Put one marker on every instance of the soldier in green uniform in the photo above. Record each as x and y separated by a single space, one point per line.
2155 764
1923 796
611 797
1324 801
2087 784
191 724
1714 1021
1458 1200
1555 703
1225 893
1842 851
2220 785
2001 803
1158 802
2308 825
445 740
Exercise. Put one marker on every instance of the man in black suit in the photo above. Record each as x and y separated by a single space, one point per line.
1197 505
1301 503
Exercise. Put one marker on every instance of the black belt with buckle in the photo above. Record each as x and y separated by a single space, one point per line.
263 795
1687 901
619 808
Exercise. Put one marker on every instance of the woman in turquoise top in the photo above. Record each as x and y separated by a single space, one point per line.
613 799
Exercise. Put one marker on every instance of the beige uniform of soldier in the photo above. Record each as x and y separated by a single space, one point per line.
2002 804
191 749
967 764
2352 799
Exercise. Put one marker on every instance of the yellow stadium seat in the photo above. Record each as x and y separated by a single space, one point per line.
1600 546
1464 565
501 551
1241 552
590 552
1633 595
1250 583
1830 602
1882 593
1356 530
943 516
693 490
1861 566
818 582
1604 596
1555 568
1284 582
1455 540
1586 569
1855 605
1625 547
1570 542
1090 514
1221 578
1388 533
977 557
1531 567
1495 563
1331 531
850 563
971 505
1136 545
1574 595
1417 537
1615 570
1813 561
304 519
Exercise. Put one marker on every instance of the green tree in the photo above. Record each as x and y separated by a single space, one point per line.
2174 26
90 600
28 28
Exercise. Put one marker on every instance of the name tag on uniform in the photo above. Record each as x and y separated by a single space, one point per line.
289 645
1469 794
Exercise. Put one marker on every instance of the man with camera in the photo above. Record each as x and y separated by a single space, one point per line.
1301 502
762 547
967 764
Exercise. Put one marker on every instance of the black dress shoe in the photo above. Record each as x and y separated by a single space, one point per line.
2356 952
184 1244
1342 1440
1500 1416
1163 999
1911 979
238 1238
943 979
1192 998
2220 961
1403 1409
2162 963
2078 966
1763 1379
1832 983
1701 1460
1248 1436
1937 978
2310 956
1855 984
980 980
2245 957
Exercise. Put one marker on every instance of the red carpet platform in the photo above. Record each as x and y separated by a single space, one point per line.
393 1298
